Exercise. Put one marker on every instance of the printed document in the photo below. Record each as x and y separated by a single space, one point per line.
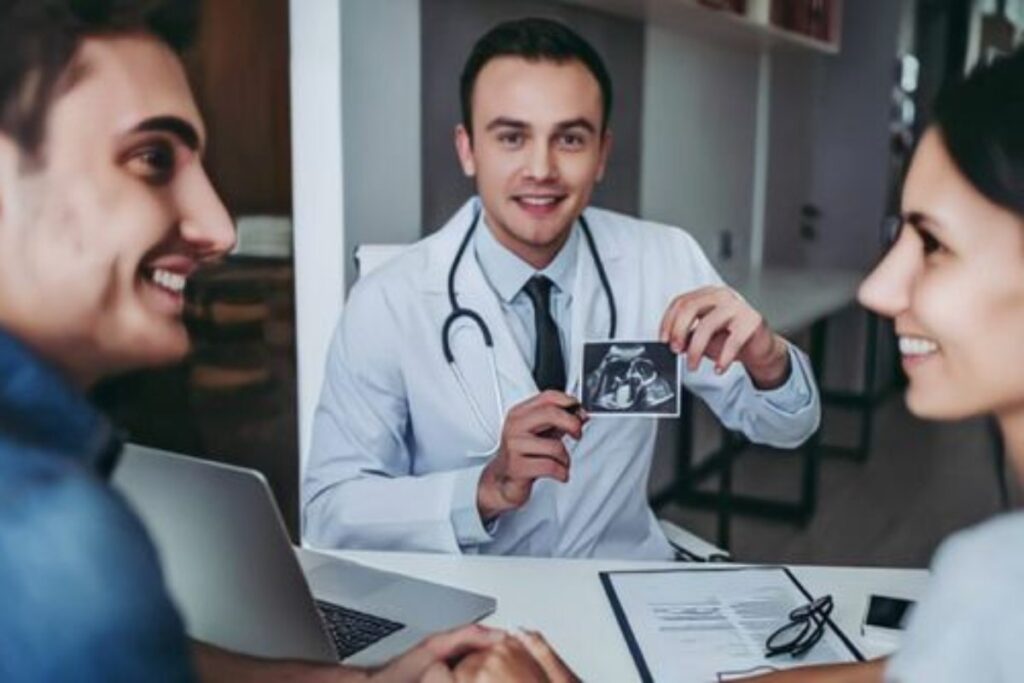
707 625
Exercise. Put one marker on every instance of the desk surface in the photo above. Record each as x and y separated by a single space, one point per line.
564 599
791 299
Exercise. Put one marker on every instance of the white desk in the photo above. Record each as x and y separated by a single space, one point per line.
793 299
564 599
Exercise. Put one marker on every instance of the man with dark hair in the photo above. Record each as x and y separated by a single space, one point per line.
412 446
105 211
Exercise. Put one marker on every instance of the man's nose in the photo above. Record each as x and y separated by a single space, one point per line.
541 164
206 224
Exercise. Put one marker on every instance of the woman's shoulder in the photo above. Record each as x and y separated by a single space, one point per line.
998 541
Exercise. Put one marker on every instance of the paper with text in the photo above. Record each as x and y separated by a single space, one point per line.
695 625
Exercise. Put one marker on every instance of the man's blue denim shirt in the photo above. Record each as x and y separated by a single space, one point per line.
82 597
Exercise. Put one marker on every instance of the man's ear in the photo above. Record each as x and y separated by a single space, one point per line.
464 148
606 149
10 157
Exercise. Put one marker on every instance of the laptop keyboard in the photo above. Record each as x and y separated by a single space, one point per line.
353 631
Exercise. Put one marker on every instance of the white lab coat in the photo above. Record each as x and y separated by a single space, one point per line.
391 464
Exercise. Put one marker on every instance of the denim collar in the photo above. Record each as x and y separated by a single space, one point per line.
40 408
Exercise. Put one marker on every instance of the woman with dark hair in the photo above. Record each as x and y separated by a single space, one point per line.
953 283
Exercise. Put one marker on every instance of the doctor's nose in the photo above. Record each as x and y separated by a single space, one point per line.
541 165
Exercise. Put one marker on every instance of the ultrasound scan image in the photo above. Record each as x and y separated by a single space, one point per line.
630 378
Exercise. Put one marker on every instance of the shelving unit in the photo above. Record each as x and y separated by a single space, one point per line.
753 28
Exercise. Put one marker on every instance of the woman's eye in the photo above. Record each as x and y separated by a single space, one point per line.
929 244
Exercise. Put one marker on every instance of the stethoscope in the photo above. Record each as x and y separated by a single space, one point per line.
458 312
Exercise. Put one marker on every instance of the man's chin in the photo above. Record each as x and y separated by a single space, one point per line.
169 348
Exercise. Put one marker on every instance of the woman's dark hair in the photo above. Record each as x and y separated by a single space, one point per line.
533 39
981 120
39 39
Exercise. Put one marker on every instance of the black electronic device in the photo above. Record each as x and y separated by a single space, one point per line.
885 617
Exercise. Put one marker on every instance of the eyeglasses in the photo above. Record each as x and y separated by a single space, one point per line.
805 628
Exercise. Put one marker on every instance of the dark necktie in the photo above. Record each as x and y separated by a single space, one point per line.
548 365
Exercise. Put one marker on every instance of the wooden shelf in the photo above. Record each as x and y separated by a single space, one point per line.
748 29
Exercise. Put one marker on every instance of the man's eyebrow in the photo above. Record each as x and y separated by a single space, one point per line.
505 122
177 127
577 123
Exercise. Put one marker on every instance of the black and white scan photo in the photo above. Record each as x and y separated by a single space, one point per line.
634 378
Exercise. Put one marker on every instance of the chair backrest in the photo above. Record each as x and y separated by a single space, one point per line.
370 257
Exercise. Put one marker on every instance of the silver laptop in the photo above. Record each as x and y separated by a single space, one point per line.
238 583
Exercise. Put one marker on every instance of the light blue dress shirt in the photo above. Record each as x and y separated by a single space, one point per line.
506 273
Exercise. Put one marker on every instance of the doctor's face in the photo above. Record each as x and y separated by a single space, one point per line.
98 237
954 284
536 150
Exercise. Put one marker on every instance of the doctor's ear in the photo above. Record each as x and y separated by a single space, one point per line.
464 148
606 149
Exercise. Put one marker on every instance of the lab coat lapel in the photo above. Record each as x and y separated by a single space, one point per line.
591 315
515 376
473 292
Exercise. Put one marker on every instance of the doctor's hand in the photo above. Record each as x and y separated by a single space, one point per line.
718 323
531 448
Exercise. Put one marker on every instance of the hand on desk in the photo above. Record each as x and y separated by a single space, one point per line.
473 653
522 657
430 661
531 448
718 323
478 655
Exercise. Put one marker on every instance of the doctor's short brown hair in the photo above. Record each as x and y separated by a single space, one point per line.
533 39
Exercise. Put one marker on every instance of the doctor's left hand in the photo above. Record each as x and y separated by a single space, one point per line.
718 323
531 449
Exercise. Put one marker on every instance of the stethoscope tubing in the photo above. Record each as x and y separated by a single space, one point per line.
458 312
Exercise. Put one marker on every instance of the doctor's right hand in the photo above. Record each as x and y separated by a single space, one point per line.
531 448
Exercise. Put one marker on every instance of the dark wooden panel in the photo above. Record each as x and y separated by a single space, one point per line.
239 70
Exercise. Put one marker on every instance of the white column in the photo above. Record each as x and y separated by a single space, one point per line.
317 194
761 151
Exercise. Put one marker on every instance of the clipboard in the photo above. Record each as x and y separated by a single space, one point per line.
649 648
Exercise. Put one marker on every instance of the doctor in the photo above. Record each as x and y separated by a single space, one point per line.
485 454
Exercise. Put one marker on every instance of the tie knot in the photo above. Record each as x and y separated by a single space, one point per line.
538 288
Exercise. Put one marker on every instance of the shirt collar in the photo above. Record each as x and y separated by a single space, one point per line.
39 407
507 273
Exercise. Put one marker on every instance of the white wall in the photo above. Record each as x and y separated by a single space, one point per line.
381 124
698 136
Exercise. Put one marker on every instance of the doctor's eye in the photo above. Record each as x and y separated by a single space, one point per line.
511 139
572 141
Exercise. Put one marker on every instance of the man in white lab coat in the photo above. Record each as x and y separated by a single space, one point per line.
411 454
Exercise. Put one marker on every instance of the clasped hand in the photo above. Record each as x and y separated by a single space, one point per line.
477 654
